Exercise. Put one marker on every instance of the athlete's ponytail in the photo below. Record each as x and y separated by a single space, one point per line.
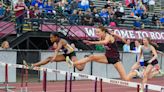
103 29
58 34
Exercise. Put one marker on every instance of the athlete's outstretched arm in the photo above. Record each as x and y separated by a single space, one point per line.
107 39
118 36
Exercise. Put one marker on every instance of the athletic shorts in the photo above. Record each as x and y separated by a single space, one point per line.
152 63
113 60
70 54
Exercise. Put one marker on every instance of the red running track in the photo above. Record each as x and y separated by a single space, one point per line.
83 86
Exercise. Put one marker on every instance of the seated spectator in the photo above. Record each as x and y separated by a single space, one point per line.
108 4
88 19
84 5
144 18
155 20
96 17
161 21
41 6
129 3
120 13
5 45
137 24
73 5
73 17
104 16
139 12
33 2
92 6
126 47
49 10
2 11
121 10
151 5
111 13
80 17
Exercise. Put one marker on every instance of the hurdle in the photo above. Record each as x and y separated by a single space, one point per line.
91 77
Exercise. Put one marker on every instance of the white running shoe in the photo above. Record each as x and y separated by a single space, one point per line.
69 61
28 65
139 74
25 63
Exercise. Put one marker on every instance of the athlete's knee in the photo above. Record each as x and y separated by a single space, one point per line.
49 58
91 57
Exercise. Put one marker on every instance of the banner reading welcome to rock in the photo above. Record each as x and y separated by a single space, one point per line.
85 31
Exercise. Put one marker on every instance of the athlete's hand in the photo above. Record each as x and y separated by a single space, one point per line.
87 42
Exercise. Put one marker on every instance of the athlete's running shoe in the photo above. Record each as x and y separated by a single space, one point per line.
69 61
139 74
28 64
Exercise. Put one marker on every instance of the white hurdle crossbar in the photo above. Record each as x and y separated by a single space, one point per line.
90 77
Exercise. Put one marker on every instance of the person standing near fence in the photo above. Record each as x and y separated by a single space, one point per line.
19 10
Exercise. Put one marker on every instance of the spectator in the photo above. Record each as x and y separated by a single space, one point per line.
144 18
92 7
41 6
19 9
120 13
74 5
104 17
84 5
137 48
137 24
108 4
88 19
36 11
151 5
8 13
73 17
74 47
2 11
80 17
32 12
49 10
126 47
129 3
162 21
96 17
33 2
5 45
155 20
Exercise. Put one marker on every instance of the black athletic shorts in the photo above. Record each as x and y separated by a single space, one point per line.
152 63
70 54
113 60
